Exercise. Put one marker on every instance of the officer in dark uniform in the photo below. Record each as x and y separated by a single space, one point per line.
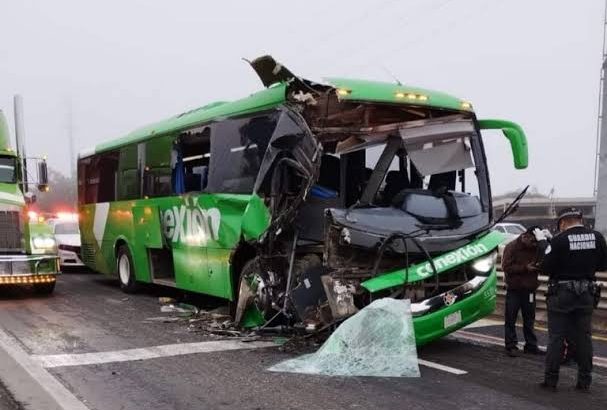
571 260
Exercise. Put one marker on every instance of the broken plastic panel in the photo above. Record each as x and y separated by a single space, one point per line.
451 156
378 341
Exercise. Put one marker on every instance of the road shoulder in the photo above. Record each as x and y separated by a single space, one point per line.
30 384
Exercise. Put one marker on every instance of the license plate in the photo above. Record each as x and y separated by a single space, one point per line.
452 319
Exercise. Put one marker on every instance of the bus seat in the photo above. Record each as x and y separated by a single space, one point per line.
193 182
396 181
322 192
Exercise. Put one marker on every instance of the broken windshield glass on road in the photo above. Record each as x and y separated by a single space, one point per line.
377 341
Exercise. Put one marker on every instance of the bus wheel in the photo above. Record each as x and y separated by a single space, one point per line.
126 271
253 292
44 288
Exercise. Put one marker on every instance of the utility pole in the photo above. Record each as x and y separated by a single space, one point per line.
599 119
600 168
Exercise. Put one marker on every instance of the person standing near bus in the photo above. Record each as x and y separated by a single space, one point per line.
521 274
571 262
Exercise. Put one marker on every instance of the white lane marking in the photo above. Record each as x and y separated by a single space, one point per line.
53 387
442 367
154 352
496 341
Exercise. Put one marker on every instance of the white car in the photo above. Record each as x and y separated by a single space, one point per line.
511 231
67 236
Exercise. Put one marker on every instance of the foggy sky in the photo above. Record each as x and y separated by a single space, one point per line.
124 63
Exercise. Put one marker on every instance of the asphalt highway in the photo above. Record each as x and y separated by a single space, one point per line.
90 346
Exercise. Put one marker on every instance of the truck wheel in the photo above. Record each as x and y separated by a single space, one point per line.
44 288
126 270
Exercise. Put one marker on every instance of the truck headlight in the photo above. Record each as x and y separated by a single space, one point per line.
485 263
44 243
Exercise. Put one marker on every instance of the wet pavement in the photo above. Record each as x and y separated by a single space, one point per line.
7 402
103 349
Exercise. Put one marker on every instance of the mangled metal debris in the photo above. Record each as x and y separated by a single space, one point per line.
377 341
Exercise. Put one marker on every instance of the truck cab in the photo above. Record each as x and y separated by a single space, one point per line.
28 253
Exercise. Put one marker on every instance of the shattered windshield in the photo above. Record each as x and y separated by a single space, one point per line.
429 176
434 165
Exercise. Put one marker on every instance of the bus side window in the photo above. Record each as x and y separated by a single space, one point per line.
191 159
128 174
82 166
157 168
238 147
99 174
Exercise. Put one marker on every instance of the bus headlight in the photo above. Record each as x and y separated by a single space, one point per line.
44 242
485 263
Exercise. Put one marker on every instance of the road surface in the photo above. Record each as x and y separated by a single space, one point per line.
90 346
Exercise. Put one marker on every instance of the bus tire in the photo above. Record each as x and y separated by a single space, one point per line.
44 288
261 299
126 270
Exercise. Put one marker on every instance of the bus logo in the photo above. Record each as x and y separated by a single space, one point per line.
453 258
191 225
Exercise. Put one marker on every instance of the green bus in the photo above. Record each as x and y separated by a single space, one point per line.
303 202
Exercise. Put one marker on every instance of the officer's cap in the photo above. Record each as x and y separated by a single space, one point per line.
570 213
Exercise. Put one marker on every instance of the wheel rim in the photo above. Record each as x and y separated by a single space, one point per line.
259 288
124 269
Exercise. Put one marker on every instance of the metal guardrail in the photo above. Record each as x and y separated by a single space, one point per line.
540 295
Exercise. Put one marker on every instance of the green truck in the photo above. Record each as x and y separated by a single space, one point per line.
303 202
28 254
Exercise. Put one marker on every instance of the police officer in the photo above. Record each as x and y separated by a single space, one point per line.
571 260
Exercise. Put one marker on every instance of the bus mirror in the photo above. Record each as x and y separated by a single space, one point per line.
42 176
516 136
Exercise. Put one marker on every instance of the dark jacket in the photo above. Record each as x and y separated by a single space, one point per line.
514 264
574 254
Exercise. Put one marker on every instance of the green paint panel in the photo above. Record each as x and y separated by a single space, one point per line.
252 318
443 263
147 226
364 90
256 218
219 280
191 269
482 303
201 231
11 194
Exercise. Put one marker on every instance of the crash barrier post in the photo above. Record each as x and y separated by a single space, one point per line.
600 314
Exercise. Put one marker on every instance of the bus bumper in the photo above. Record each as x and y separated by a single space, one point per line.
432 326
28 269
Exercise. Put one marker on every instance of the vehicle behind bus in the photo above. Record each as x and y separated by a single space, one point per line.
27 248
303 202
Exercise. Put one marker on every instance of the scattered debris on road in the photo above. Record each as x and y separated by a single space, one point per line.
162 319
169 305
